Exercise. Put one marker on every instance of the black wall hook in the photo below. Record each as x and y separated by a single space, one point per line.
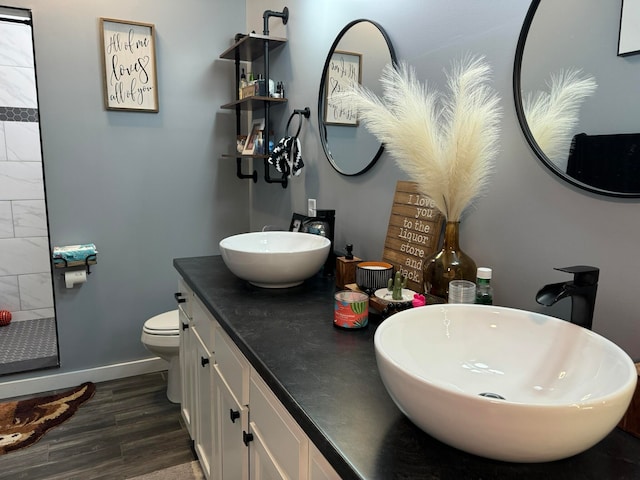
305 112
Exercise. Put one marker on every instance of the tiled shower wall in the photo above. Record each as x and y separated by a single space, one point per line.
25 271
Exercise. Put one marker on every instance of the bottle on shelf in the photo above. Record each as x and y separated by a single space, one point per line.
259 149
243 83
262 86
484 290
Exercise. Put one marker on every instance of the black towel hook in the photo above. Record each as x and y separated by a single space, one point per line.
306 112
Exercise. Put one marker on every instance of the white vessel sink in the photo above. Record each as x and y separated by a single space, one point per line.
564 388
275 259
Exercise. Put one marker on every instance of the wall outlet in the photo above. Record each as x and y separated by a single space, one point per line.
311 207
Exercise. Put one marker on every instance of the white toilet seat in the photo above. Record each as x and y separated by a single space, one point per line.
170 333
165 324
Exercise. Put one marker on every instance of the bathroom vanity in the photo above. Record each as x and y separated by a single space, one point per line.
271 389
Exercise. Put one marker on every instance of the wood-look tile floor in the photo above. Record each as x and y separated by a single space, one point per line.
127 428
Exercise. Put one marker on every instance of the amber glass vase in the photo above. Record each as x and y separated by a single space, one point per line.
448 264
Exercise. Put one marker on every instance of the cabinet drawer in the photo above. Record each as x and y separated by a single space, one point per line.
184 297
203 323
233 366
285 441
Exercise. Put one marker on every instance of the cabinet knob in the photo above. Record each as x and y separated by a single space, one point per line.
234 415
247 437
204 361
178 297
184 325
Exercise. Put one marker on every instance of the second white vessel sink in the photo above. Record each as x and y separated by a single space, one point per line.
503 383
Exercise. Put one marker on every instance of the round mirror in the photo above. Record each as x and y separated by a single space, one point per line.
358 54
587 136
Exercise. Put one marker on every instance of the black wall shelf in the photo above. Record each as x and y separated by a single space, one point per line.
248 48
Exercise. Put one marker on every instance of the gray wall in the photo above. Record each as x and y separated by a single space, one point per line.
144 187
528 222
150 187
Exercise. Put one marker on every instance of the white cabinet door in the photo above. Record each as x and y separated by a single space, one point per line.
188 353
232 419
203 409
263 464
280 437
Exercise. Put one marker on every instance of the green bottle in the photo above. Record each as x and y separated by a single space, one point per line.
484 290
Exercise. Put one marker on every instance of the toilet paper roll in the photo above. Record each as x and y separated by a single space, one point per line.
74 277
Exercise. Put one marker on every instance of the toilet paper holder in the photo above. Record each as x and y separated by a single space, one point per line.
89 260
75 256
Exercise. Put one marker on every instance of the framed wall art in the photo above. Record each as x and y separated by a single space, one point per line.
250 142
128 58
344 70
629 39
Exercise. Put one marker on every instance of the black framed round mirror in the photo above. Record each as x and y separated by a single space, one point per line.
359 52
600 149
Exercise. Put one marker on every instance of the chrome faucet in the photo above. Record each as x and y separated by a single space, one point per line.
582 291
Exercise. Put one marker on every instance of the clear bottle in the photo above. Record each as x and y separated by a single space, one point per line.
243 83
484 290
259 150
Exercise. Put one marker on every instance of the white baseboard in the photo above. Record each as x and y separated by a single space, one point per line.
29 386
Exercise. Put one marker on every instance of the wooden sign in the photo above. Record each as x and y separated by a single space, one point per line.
128 57
414 233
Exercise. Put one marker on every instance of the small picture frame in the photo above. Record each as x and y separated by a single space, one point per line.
250 143
296 222
129 65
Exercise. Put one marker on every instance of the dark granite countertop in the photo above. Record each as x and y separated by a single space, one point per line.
328 380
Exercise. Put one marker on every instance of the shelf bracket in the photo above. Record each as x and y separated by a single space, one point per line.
239 173
284 15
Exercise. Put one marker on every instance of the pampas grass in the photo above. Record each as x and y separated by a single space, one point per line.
552 116
445 143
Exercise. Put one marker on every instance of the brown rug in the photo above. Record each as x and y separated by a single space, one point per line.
23 422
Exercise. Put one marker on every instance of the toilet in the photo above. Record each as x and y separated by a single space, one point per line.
161 336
